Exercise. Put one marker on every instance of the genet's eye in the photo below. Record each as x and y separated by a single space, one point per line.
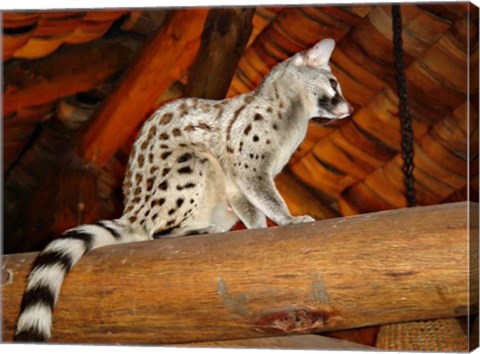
333 83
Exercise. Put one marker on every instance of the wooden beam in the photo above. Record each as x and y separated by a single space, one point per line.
386 267
70 70
171 50
224 37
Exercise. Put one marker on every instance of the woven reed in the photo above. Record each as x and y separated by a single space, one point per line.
443 335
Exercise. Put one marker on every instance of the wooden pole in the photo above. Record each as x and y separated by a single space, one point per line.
224 37
169 52
384 267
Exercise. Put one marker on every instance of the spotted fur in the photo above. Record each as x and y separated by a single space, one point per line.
198 166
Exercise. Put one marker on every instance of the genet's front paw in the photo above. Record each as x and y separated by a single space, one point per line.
302 219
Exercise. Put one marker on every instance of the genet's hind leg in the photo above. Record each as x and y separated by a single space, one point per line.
209 212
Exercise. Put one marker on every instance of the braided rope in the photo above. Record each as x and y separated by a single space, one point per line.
406 120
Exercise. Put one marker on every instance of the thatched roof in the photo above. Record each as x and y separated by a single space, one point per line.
60 66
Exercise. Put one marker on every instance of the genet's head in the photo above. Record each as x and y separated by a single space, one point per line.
324 93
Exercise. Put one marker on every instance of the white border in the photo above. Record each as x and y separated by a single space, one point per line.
7 5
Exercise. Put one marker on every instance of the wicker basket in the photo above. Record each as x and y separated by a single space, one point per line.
443 335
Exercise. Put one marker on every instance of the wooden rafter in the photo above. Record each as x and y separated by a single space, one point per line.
334 274
169 52
359 164
224 38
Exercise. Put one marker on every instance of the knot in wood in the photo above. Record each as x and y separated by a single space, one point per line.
6 276
296 320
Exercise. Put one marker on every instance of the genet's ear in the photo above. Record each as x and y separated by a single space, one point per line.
318 55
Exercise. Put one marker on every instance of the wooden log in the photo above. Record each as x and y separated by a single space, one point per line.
70 70
224 38
171 50
393 266
298 342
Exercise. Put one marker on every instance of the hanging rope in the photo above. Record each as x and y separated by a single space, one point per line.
406 120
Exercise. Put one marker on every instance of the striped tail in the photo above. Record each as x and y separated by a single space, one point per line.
34 323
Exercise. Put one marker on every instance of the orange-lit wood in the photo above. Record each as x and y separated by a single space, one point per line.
68 71
224 38
334 274
171 49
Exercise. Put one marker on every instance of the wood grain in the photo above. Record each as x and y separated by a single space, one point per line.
392 266
68 71
224 37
